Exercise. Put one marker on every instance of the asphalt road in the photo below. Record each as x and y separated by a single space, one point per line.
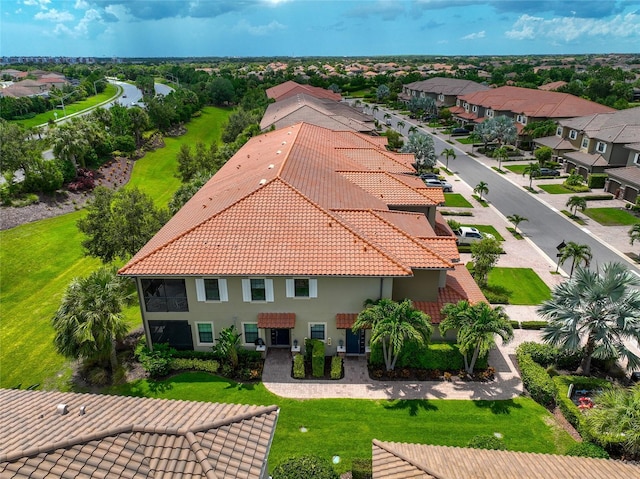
546 226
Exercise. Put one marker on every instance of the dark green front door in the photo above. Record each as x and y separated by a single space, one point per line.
355 342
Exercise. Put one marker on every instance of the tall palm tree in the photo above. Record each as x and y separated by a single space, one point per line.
89 320
392 324
504 129
401 124
576 202
481 188
413 129
533 170
477 327
501 154
516 220
422 146
448 153
634 233
578 253
600 309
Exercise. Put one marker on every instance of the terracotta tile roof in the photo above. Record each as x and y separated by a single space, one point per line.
446 86
375 159
130 437
390 189
345 320
291 88
552 86
277 320
392 460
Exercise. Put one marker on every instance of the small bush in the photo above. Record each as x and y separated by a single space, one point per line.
304 467
494 297
98 376
207 365
336 367
486 441
298 366
587 449
533 324
576 188
361 468
539 384
157 362
317 359
515 324
543 354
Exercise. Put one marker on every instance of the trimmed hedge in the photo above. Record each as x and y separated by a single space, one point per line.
587 449
596 180
534 377
515 324
543 354
533 324
317 359
336 367
207 365
361 468
443 356
298 366
607 196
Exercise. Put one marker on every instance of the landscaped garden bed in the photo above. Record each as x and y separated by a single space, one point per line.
313 364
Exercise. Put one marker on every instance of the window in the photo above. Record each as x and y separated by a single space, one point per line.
317 331
474 109
636 158
250 331
257 289
524 119
457 102
573 134
559 131
302 288
490 113
585 142
441 97
164 295
205 333
212 289
601 147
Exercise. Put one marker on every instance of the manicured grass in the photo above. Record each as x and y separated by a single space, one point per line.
612 216
487 229
38 260
465 141
456 200
345 427
42 118
524 285
577 219
483 202
517 169
556 189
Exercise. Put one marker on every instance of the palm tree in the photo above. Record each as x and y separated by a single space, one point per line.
616 420
448 152
501 154
392 324
578 253
422 146
386 117
504 129
600 309
532 169
516 220
413 129
89 320
576 202
477 326
401 124
481 188
634 233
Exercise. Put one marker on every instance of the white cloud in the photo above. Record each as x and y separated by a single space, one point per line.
54 16
120 12
34 3
81 5
474 36
90 17
259 30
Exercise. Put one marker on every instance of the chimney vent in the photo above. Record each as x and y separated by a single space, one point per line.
83 410
62 409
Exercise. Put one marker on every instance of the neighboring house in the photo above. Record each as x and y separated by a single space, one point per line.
599 143
290 238
552 86
316 111
291 88
524 105
394 460
62 435
445 91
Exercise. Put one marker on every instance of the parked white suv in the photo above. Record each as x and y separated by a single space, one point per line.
468 235
442 184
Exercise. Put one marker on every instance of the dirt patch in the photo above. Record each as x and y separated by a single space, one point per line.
566 425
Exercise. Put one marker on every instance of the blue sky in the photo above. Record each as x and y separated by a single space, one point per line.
179 28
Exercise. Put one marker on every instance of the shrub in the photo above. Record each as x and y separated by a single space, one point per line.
487 441
336 367
317 359
588 449
444 356
543 354
84 180
361 468
157 362
298 366
98 376
495 297
596 180
308 349
304 467
515 324
533 324
569 410
539 384
207 365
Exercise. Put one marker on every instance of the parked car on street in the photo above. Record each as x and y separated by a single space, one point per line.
428 176
459 132
442 184
468 235
548 172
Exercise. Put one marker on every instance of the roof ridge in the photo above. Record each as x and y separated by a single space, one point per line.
263 410
405 458
201 456
296 132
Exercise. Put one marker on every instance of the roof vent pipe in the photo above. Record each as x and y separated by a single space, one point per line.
83 410
62 409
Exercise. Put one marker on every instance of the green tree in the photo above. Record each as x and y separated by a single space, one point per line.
89 319
539 129
477 327
543 155
533 170
139 123
237 122
578 253
516 220
383 92
119 223
600 309
448 153
616 420
221 91
576 202
228 344
394 140
634 233
501 154
423 148
574 179
484 255
481 188
392 325
504 129
186 191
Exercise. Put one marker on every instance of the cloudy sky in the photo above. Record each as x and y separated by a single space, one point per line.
180 28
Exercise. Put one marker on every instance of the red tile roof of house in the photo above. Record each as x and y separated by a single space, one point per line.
552 86
291 88
277 320
117 436
271 211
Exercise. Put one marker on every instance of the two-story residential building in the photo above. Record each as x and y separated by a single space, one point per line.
290 238
444 91
524 105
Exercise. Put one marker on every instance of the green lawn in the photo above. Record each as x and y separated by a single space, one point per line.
38 260
556 189
524 285
75 107
517 169
345 427
487 229
612 216
456 200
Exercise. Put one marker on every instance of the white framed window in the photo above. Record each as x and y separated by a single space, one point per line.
490 113
601 147
250 332
457 102
302 288
474 109
636 159
257 290
524 119
205 334
559 131
441 97
573 134
519 118
212 289
318 331
585 142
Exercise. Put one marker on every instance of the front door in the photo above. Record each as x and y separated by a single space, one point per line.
280 337
355 342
